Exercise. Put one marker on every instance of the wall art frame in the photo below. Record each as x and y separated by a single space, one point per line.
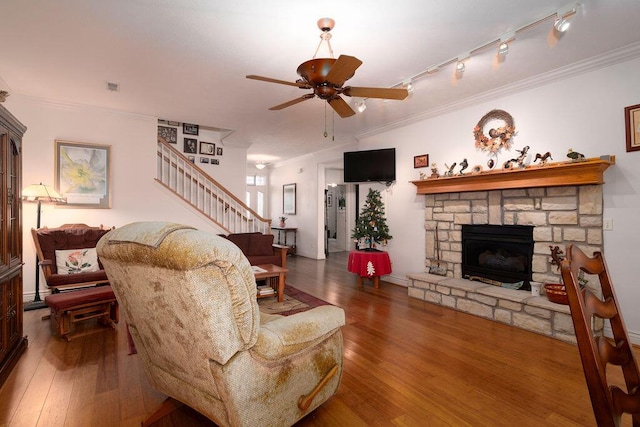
289 199
208 148
421 161
168 134
190 146
632 126
190 129
83 174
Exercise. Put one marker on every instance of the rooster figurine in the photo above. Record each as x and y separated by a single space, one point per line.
574 155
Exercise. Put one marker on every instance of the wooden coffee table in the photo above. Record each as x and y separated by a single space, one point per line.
274 275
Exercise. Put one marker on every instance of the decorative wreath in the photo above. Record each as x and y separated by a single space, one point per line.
498 138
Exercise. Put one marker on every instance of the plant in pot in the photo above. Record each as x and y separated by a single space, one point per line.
283 221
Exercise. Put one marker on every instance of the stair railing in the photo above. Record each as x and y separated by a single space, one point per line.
190 183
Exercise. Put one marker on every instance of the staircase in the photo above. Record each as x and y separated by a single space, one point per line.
187 181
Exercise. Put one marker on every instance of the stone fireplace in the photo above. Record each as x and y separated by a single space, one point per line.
559 207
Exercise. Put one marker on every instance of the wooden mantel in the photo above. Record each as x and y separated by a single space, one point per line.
588 171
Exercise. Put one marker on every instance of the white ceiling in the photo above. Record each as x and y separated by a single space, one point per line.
186 60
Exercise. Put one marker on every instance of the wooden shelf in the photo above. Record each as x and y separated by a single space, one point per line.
588 171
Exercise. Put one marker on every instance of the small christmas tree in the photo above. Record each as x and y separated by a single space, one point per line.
371 226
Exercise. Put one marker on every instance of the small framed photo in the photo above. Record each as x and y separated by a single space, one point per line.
215 161
421 161
219 151
191 145
190 129
632 124
204 160
192 159
168 134
208 148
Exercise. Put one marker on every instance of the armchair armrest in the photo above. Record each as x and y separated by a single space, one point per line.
287 335
281 250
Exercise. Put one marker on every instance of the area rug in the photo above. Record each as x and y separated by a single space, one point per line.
294 301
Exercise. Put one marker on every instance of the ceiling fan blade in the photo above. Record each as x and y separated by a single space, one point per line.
372 92
343 69
282 82
292 102
341 107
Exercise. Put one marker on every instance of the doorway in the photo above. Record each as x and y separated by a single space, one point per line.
337 234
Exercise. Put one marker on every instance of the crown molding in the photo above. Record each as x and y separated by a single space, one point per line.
78 107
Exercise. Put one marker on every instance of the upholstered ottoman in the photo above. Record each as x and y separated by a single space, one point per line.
69 308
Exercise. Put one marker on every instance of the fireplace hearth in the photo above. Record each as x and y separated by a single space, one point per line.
498 254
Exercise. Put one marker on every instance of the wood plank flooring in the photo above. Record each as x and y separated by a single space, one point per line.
407 363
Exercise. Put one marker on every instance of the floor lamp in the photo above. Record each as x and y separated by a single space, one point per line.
39 193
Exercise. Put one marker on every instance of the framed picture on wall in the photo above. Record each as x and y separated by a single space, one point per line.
204 160
190 145
632 124
83 174
421 161
215 161
190 129
207 148
219 151
289 199
168 134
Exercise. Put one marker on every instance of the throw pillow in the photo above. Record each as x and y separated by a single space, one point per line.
73 261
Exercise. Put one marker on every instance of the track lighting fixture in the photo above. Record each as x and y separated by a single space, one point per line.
503 48
563 18
408 84
361 106
462 58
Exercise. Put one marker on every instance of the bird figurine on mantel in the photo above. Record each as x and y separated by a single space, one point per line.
574 155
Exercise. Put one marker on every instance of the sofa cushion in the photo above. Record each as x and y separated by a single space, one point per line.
56 280
260 244
74 261
241 240
66 300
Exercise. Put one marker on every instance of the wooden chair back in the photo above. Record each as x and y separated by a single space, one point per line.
609 402
67 236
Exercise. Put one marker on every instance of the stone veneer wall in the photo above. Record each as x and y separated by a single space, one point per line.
560 216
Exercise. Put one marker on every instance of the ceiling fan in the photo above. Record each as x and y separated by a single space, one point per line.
327 75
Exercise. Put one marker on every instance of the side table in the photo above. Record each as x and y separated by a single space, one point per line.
369 264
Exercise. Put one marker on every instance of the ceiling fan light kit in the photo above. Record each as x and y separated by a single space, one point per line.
326 77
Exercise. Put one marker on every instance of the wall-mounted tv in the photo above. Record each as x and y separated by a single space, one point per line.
370 165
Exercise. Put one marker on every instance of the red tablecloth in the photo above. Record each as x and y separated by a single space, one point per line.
369 264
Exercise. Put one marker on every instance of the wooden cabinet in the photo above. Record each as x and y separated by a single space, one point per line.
12 341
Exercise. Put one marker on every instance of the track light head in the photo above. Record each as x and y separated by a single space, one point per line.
361 106
563 18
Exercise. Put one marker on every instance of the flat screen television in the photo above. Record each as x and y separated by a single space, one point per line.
370 165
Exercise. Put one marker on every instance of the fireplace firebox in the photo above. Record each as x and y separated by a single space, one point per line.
498 254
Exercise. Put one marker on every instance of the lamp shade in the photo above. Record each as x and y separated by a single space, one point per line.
41 193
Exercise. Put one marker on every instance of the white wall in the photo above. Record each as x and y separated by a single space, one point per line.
135 194
584 112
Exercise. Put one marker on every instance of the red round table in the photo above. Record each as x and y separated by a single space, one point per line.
369 264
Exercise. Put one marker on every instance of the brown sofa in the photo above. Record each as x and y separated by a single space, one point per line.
259 248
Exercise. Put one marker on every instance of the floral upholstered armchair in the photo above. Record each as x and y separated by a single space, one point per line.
189 298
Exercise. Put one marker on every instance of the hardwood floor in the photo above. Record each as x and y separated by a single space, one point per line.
407 363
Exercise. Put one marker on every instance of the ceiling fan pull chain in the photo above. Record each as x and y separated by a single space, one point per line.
325 121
